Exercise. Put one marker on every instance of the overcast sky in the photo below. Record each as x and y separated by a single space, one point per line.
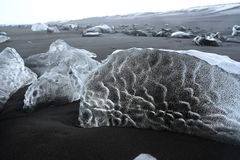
33 11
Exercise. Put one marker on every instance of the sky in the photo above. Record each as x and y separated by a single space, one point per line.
34 11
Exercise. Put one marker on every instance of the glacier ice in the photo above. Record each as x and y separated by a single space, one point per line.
207 41
3 33
14 75
4 38
60 52
144 156
163 89
62 85
236 30
39 27
101 29
53 29
62 71
181 34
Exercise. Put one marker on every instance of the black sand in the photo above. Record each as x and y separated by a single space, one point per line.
51 132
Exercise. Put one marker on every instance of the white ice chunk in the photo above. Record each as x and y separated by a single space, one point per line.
39 27
60 85
3 33
144 156
165 90
62 71
221 61
180 34
101 29
60 52
53 29
4 38
92 34
236 30
13 74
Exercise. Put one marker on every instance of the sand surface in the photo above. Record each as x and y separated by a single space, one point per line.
51 132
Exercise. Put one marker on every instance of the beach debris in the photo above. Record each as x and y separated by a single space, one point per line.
4 39
210 40
180 34
236 30
39 27
101 29
189 92
53 29
62 71
145 156
14 75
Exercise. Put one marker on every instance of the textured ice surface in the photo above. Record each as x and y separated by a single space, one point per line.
4 38
60 52
160 89
63 70
13 74
60 85
39 27
101 29
144 156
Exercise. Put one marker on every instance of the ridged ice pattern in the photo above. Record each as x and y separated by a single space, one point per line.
13 74
149 88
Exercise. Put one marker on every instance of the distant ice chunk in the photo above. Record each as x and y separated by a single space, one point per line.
181 34
236 30
135 32
62 71
165 90
14 75
207 41
144 156
68 27
53 29
3 33
39 27
163 33
101 29
91 34
4 38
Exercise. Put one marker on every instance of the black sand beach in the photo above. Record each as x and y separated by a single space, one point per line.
51 132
